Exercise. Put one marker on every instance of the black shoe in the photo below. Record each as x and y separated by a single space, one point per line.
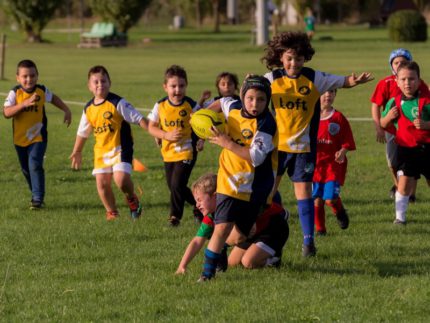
342 219
321 233
393 191
309 250
36 205
198 216
412 198
174 221
223 261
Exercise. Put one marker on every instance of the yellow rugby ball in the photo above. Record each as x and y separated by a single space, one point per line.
202 121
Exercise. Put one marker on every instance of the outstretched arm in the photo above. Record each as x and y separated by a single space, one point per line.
353 80
193 248
62 106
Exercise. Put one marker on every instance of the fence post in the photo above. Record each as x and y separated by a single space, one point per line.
2 55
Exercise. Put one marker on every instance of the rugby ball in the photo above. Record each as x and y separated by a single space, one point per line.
202 121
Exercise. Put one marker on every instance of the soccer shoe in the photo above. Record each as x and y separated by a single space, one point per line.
174 221
393 190
412 198
274 262
36 205
399 222
198 216
112 215
342 219
309 250
135 207
321 233
223 261
203 279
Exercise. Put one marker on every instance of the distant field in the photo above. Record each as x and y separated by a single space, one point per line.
66 263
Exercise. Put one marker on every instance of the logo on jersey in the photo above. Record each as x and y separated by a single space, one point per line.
414 112
247 134
34 107
293 105
107 115
333 128
304 90
178 123
182 113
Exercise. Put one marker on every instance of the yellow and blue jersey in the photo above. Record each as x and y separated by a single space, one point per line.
170 117
110 123
238 177
296 104
30 125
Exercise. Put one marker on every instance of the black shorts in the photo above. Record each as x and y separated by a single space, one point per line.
415 161
242 213
299 166
274 236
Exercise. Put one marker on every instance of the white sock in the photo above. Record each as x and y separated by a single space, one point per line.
402 202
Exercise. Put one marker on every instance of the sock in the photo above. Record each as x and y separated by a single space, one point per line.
307 219
320 218
211 262
336 206
402 202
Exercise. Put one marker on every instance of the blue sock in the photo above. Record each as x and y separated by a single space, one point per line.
211 261
307 220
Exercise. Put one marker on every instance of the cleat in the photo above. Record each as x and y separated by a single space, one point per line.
198 216
203 279
112 215
309 250
342 219
399 222
321 233
36 205
412 198
274 262
223 261
393 190
135 207
174 221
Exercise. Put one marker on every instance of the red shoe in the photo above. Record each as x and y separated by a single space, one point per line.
112 215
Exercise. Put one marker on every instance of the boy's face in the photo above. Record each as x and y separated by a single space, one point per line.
396 62
292 62
226 87
27 77
99 85
327 99
255 101
408 82
206 203
175 88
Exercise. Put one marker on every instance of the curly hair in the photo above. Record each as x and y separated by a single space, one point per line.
290 40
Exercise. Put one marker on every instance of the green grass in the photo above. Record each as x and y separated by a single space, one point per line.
66 263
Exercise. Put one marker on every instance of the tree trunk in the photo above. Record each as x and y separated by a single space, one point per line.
198 14
32 36
215 6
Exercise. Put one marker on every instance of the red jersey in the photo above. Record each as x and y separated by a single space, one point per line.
385 89
334 133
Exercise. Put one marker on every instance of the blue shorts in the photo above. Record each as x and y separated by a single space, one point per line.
326 191
242 213
299 166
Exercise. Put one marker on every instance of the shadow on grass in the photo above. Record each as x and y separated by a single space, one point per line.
399 269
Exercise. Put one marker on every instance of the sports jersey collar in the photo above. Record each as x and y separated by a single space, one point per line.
28 91
246 115
291 77
329 115
404 98
176 105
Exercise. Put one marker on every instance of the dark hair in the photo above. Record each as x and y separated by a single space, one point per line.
293 40
409 65
231 76
175 70
26 63
99 69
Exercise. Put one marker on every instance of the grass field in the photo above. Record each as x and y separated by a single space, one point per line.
66 263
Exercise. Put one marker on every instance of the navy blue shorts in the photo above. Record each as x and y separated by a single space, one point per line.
299 166
242 213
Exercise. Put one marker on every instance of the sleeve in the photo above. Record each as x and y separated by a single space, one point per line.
85 128
346 133
154 115
227 104
261 145
206 228
128 112
48 95
10 99
269 76
196 107
380 95
326 82
387 107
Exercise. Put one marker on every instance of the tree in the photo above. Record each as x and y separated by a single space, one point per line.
124 13
31 16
